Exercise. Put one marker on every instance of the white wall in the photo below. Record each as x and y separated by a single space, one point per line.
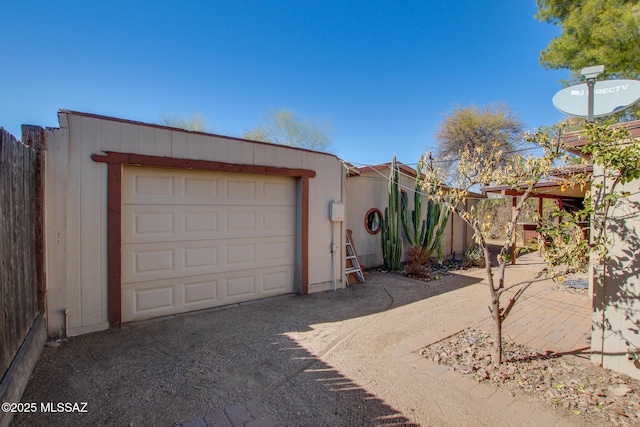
76 205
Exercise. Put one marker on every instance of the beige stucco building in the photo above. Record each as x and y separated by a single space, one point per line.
615 340
367 194
144 221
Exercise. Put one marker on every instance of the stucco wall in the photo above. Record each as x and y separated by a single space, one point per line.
76 205
616 288
370 190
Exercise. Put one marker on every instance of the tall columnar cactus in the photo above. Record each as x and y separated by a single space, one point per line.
426 233
437 217
391 224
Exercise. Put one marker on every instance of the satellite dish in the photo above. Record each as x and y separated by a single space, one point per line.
610 96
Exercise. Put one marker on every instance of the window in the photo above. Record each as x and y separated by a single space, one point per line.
373 221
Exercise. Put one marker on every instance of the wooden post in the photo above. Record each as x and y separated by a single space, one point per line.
464 230
559 208
33 136
540 243
513 238
114 244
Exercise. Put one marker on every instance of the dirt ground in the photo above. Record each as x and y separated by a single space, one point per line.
320 360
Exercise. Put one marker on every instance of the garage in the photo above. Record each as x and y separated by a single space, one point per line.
194 239
145 221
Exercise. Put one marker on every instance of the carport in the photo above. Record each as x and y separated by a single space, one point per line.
567 198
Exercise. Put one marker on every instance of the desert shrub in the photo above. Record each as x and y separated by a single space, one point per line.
474 256
500 209
418 263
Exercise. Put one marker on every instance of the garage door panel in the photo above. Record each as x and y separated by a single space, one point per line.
145 300
277 251
241 254
147 224
257 221
278 192
200 221
200 292
170 223
170 296
199 188
276 282
154 185
153 261
240 190
179 187
253 284
241 286
193 240
154 299
153 224
200 257
277 221
241 221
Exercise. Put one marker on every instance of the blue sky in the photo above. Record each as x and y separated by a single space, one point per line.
382 73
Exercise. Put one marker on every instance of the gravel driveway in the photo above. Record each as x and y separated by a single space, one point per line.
319 360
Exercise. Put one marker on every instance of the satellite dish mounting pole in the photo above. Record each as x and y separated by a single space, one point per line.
591 83
591 73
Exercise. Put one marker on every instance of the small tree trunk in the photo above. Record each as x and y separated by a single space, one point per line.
496 355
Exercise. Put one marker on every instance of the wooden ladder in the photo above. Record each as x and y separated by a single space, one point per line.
353 265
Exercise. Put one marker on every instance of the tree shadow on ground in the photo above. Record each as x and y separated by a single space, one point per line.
175 369
578 352
495 248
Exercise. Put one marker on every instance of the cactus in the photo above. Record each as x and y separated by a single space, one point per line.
391 223
426 233
437 217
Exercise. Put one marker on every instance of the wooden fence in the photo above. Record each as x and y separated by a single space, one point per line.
21 248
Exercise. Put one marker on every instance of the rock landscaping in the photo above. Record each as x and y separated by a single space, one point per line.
596 395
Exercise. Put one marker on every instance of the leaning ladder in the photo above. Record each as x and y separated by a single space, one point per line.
353 265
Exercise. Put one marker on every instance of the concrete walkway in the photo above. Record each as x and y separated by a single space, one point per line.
331 359
546 318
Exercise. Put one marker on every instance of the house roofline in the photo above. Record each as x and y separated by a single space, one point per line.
384 166
355 171
547 185
576 140
158 126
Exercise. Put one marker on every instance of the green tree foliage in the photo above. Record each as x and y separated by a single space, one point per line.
287 128
469 127
194 122
594 32
391 224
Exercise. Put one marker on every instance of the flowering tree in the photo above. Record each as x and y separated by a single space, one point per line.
489 164
618 156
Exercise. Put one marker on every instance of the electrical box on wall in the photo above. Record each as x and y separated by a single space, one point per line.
336 211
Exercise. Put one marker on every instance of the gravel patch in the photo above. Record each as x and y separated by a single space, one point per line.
596 395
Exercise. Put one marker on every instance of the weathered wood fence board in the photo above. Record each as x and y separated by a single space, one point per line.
20 243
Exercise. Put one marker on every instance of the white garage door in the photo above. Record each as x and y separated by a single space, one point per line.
194 239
